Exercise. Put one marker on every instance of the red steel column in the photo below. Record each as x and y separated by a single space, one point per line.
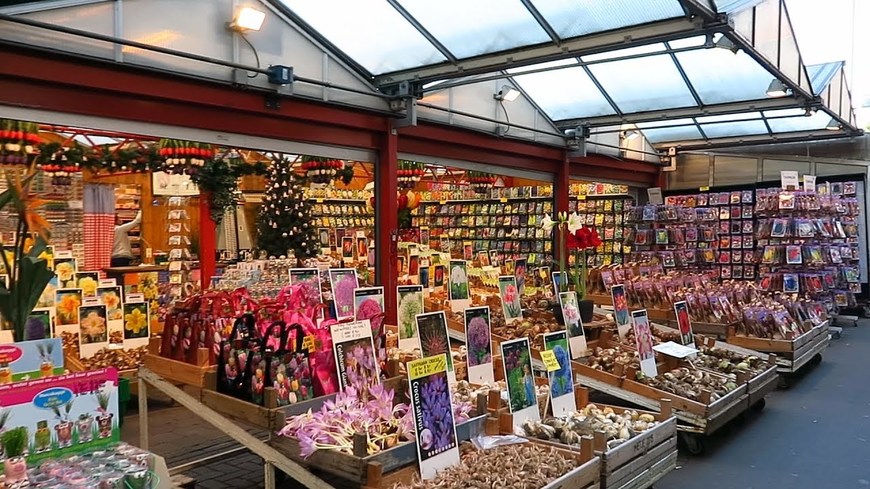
207 242
387 220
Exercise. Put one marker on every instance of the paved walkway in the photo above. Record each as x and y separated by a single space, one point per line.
815 435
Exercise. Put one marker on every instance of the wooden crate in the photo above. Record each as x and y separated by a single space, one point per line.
179 372
791 355
378 471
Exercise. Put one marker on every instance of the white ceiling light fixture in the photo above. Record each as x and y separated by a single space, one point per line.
834 125
248 19
507 94
777 89
630 134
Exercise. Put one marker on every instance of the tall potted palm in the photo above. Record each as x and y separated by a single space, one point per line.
28 272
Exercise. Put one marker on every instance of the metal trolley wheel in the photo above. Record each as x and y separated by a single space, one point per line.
695 443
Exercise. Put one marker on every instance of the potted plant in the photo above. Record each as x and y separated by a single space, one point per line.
46 366
64 429
572 237
4 418
85 427
15 467
104 420
42 437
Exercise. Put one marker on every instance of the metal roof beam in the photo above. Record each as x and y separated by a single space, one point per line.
686 112
755 139
422 30
580 46
701 8
33 7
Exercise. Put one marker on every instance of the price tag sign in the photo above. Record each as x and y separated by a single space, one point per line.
503 199
581 197
425 367
319 201
550 361
673 349
703 189
308 343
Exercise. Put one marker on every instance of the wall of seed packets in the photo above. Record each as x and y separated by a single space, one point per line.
605 206
63 209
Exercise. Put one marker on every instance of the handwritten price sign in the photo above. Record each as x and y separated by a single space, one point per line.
425 367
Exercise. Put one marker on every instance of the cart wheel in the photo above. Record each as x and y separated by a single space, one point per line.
784 382
759 405
817 359
695 444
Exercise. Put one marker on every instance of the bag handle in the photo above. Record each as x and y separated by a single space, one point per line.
299 337
267 336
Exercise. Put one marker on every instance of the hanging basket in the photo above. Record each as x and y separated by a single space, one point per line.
184 157
18 143
409 173
322 171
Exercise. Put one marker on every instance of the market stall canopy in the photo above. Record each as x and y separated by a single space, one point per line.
687 73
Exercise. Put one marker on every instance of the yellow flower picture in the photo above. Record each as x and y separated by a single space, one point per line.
65 271
93 324
136 320
88 282
68 303
111 297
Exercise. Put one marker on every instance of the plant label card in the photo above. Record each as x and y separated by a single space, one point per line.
478 336
655 195
307 277
561 379
684 322
434 339
573 323
559 279
810 184
467 251
93 330
65 414
643 341
436 440
355 357
137 323
108 282
368 304
510 298
459 291
493 258
676 350
347 248
88 282
67 303
509 267
343 282
111 297
409 304
414 268
424 236
522 395
65 270
483 258
438 276
520 273
323 236
362 248
28 360
620 309
789 180
40 324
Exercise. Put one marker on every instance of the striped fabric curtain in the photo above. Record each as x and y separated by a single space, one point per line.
99 226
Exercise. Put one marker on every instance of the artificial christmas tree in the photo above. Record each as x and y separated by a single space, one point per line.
283 221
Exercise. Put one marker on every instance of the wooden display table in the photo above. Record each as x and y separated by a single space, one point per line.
791 355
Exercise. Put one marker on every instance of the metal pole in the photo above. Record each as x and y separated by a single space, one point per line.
143 414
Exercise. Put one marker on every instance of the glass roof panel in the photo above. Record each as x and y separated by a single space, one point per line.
664 134
720 76
565 94
822 74
570 18
485 26
732 129
642 84
689 42
730 6
785 112
620 53
728 117
371 32
817 121
541 66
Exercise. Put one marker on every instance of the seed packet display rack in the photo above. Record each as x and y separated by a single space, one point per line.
609 214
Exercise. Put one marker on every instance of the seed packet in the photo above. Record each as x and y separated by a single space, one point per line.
790 283
770 255
786 201
668 259
746 196
737 241
836 188
661 236
793 255
725 273
746 227
778 229
725 257
850 188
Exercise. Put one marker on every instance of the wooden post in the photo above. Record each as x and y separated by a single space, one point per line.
587 450
494 396
143 415
482 401
360 445
581 396
268 476
665 409
742 377
600 441
705 396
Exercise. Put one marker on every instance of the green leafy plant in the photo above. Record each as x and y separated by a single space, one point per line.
28 272
14 441
219 179
103 400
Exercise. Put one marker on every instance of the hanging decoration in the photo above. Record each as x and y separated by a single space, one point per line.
184 157
410 172
219 179
116 158
18 141
322 170
61 161
480 181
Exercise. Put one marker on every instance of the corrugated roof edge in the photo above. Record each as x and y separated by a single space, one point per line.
821 74
734 6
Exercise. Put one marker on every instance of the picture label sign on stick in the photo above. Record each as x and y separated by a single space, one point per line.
573 323
409 304
436 440
459 293
620 309
522 395
354 351
510 298
684 322
559 373
478 335
434 339
643 341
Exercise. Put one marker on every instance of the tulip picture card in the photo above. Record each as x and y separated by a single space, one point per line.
644 342
510 298
458 287
573 323
478 344
562 399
